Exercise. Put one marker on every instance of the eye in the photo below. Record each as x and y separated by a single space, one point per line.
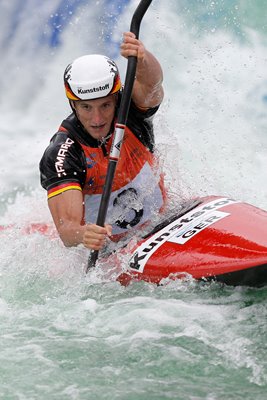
85 106
106 105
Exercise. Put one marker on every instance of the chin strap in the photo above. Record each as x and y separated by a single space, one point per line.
102 143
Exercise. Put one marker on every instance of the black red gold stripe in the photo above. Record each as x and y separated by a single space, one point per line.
63 188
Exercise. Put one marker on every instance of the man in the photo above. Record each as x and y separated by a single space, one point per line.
74 166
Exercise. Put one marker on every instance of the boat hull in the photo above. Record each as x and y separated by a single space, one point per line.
217 239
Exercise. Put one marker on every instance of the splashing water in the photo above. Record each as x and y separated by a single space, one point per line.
65 335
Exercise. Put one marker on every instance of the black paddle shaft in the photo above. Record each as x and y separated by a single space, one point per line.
119 130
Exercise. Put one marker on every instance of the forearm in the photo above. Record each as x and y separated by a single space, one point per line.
70 233
147 89
67 213
91 236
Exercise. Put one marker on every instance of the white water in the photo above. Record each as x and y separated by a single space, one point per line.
87 336
212 124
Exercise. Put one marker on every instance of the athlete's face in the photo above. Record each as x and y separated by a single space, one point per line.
96 115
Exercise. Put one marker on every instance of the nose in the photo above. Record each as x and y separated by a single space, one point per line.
96 116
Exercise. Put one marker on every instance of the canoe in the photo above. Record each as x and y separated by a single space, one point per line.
211 238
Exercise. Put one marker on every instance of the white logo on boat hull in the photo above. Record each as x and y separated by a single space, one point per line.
181 230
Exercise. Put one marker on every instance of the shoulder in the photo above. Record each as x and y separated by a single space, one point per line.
61 145
63 160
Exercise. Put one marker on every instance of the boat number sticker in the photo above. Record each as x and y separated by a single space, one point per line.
185 234
181 230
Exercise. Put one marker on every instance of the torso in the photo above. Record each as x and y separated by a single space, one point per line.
137 191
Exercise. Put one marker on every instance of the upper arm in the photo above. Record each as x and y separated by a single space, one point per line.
148 90
67 209
145 96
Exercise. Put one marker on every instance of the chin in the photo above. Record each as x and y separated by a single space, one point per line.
97 135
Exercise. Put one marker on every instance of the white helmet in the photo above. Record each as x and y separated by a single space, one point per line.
91 77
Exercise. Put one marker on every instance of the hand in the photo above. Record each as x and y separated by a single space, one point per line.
95 236
132 46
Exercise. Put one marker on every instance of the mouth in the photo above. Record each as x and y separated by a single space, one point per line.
98 127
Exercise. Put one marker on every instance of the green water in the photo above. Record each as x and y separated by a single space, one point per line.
235 16
64 336
71 337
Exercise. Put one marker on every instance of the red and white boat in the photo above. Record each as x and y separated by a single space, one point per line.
210 238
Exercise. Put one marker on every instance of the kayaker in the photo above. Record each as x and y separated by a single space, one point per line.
74 165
